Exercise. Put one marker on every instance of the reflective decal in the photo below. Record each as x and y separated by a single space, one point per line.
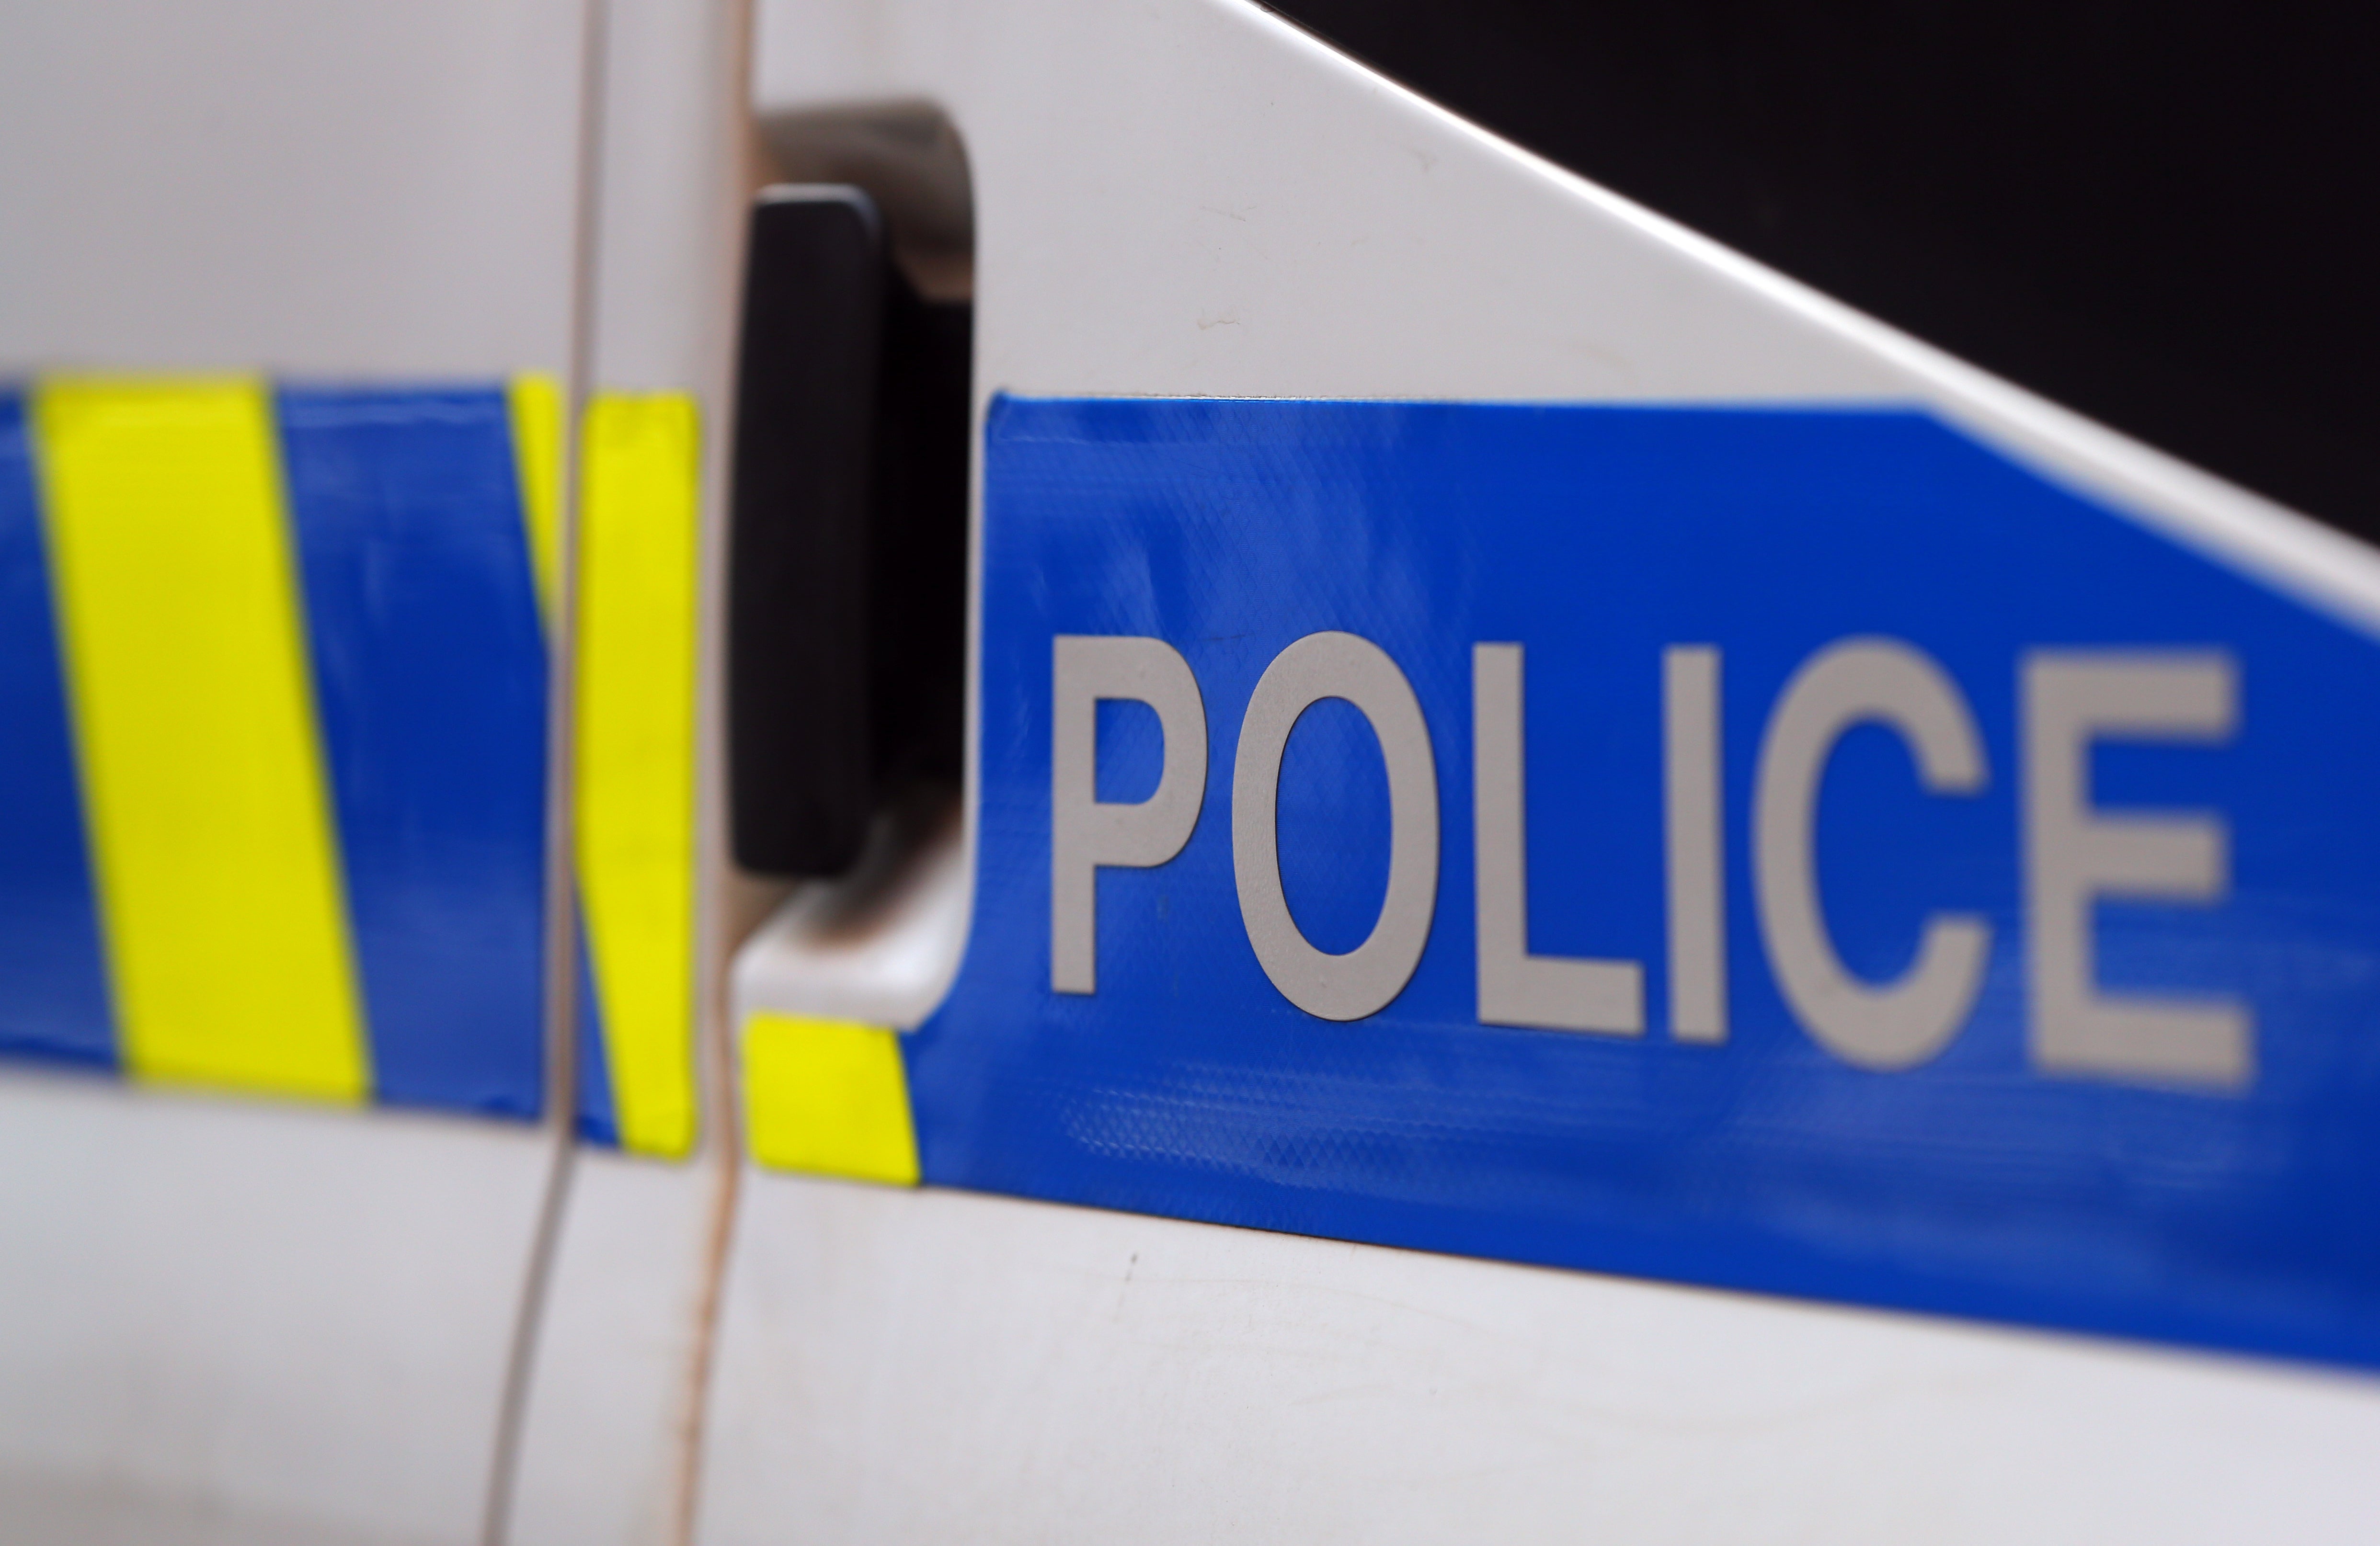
308 710
635 755
828 1097
431 677
201 760
1863 867
53 977
533 405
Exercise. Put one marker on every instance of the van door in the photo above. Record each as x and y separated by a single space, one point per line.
287 311
1594 894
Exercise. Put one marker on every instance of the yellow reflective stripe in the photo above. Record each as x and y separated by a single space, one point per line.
827 1097
534 404
635 773
194 723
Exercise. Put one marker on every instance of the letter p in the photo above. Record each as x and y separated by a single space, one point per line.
1085 831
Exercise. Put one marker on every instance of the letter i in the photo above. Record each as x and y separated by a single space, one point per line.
1690 811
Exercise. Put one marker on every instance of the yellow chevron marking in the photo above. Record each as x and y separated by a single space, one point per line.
635 771
533 402
829 1097
194 720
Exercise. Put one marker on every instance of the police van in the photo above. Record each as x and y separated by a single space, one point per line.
1036 770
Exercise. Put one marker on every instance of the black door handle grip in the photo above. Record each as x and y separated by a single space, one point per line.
847 544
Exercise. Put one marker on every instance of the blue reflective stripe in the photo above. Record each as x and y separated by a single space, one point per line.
1985 1178
54 1000
430 672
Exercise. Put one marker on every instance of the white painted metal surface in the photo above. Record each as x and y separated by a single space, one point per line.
238 1320
340 189
932 1366
605 1450
1189 197
878 948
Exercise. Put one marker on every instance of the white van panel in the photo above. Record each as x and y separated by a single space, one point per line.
339 188
935 1366
1191 198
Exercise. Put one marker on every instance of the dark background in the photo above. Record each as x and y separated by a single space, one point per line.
2161 215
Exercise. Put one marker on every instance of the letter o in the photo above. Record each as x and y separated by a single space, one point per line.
1363 980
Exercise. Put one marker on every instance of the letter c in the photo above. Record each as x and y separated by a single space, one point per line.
1895 1025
